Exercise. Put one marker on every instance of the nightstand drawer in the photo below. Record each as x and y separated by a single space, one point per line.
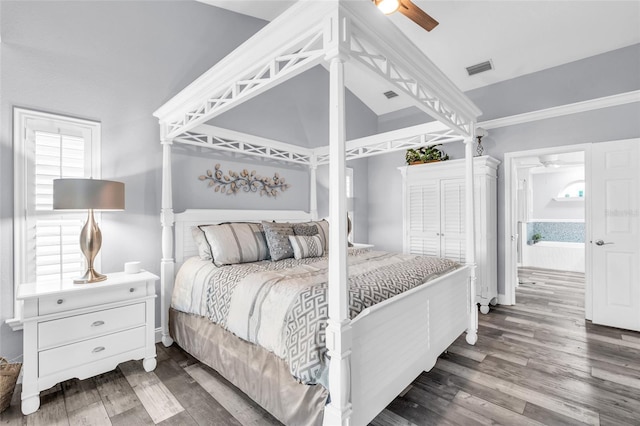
88 351
53 304
79 327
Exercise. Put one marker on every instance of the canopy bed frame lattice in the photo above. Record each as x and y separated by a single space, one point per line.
392 341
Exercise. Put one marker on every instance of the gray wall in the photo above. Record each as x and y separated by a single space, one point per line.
301 117
618 72
116 62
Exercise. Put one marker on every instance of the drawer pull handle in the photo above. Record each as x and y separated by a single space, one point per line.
97 323
98 349
131 290
59 301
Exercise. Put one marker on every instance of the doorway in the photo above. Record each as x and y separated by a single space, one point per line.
546 219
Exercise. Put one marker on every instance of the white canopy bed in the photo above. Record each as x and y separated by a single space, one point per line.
380 351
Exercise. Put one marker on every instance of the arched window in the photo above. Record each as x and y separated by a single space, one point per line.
573 190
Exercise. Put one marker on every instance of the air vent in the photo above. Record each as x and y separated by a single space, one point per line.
390 94
478 68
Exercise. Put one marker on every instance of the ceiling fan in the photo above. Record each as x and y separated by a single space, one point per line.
548 161
408 9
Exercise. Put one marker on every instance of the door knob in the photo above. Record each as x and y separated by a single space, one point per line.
601 243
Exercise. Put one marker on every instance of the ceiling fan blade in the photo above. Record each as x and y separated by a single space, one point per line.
417 15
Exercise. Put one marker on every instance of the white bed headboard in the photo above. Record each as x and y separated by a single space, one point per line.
186 247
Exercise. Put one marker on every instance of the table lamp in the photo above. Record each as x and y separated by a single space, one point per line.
88 194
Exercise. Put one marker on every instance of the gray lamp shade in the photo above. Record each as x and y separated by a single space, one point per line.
84 194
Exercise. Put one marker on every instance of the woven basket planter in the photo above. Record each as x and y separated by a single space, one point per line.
8 376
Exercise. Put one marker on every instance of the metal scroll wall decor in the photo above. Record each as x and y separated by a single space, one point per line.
233 182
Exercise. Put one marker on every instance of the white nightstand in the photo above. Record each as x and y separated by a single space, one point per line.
81 330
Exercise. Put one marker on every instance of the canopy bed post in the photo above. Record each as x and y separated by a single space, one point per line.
313 188
472 331
338 332
167 263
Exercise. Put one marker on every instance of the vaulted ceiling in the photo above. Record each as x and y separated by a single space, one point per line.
518 37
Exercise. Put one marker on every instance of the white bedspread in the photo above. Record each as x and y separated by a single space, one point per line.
282 306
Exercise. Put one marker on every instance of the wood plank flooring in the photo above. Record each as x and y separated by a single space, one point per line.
536 363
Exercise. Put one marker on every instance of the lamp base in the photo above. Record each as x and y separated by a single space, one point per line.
90 276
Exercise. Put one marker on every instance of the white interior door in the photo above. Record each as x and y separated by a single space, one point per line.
615 233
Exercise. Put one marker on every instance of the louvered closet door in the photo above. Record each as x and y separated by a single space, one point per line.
424 219
452 212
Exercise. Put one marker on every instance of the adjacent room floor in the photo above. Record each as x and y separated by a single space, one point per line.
538 362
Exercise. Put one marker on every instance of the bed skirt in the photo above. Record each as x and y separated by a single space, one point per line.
260 374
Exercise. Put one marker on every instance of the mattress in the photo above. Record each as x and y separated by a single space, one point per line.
282 306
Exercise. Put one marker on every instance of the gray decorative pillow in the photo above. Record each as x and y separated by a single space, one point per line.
322 227
204 251
306 246
305 229
232 243
277 235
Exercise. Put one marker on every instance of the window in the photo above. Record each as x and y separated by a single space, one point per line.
572 190
48 147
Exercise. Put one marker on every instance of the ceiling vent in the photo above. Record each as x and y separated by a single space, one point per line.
390 94
478 68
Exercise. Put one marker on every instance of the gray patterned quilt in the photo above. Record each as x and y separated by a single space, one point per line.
283 306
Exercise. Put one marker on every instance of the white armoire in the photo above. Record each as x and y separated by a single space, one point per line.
434 217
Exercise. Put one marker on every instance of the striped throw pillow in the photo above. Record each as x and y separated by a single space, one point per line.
232 243
305 246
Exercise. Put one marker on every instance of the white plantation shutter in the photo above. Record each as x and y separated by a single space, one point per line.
56 156
424 219
57 249
453 219
52 147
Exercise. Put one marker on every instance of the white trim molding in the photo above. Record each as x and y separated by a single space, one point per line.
510 231
25 122
559 111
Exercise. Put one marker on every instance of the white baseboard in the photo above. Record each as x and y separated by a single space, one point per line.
158 334
502 300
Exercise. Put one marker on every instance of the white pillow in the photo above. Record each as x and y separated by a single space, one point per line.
231 243
306 246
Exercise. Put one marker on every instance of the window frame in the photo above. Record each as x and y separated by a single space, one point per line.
24 122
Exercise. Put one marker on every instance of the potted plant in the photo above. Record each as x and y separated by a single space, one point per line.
536 238
425 154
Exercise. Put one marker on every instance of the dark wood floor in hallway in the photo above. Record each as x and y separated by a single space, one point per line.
538 362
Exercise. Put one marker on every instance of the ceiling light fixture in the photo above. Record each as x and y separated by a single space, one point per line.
388 6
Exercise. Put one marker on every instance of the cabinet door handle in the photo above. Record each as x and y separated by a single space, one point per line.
59 301
98 349
97 323
131 290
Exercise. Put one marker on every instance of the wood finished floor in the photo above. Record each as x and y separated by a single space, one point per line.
535 363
